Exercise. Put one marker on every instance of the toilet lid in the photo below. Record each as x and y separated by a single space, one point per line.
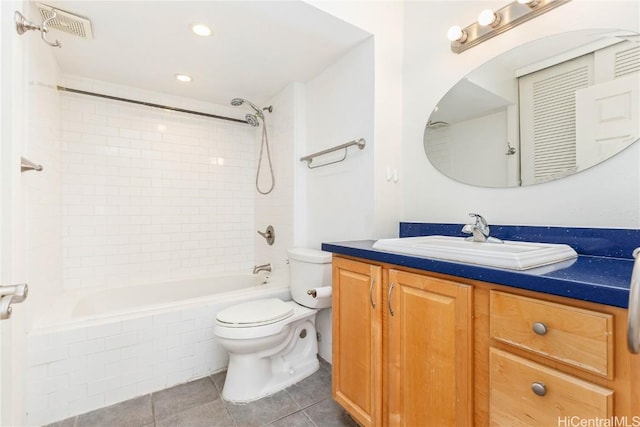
255 313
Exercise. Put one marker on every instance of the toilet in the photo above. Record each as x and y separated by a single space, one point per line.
272 344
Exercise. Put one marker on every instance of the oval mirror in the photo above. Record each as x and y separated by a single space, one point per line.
539 112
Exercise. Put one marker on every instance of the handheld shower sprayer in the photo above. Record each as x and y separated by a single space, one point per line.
236 102
253 120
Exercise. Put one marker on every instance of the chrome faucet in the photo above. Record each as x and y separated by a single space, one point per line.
263 267
479 231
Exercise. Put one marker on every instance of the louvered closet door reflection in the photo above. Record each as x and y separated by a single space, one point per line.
548 119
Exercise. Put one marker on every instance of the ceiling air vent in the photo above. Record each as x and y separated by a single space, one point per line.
66 22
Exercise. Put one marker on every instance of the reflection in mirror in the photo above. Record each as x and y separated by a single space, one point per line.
542 111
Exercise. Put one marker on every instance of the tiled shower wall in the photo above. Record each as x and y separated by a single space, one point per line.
152 195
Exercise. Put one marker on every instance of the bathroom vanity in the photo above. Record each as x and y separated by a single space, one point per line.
425 342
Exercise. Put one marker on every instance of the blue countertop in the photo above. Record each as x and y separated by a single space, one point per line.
600 279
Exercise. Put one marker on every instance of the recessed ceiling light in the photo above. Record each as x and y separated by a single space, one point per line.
201 30
183 78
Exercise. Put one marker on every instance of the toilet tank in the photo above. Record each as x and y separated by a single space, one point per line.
310 269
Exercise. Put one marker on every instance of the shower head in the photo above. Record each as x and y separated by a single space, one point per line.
252 120
236 102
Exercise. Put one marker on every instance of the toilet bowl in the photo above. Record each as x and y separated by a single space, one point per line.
272 344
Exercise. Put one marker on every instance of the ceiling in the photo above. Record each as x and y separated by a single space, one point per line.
256 49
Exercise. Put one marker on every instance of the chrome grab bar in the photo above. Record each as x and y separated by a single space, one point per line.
360 143
633 325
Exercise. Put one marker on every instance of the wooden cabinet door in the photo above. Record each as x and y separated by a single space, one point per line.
430 365
357 340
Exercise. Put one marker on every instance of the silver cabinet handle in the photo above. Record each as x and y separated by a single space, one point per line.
540 328
539 388
389 299
633 325
373 303
11 294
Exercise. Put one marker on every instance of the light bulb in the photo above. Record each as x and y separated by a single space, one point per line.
488 17
456 34
530 3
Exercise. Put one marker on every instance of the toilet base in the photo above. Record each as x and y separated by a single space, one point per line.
254 376
277 383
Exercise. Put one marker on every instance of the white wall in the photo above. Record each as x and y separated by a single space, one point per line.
384 20
338 199
339 108
42 190
151 195
41 194
607 195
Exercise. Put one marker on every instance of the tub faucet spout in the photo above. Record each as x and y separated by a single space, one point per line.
263 267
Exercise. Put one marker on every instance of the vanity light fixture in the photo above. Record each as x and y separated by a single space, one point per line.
530 3
491 23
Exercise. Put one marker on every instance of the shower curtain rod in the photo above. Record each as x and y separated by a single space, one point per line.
149 104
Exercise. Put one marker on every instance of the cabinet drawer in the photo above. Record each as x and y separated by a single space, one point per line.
578 337
560 396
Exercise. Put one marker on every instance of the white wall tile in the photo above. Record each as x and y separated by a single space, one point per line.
90 346
123 340
104 330
118 168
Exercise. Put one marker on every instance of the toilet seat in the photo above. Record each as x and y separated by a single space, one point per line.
255 313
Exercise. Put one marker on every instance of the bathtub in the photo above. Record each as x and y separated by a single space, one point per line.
102 346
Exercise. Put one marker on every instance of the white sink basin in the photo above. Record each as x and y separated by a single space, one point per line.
508 254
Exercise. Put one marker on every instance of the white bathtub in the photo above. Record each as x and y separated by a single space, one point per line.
98 347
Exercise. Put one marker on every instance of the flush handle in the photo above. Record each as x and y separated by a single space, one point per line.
540 328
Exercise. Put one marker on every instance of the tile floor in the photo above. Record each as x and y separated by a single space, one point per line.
198 403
